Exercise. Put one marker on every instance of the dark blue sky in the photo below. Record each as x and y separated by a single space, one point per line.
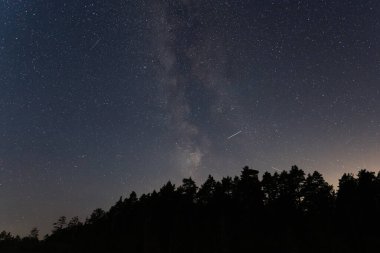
99 98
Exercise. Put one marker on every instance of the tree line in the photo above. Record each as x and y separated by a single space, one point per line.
280 212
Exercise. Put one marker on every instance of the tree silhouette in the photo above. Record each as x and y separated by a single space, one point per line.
317 195
60 224
207 191
34 233
74 222
188 188
96 216
280 212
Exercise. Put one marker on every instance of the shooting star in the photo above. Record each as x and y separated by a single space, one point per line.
234 135
95 44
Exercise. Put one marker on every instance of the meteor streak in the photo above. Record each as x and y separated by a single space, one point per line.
234 135
95 44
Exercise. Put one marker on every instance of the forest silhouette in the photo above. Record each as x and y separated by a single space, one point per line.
287 211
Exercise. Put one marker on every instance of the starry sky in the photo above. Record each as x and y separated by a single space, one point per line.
99 98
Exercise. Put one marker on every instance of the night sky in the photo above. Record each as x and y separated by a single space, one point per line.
99 98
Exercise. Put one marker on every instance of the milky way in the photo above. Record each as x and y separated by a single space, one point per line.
99 98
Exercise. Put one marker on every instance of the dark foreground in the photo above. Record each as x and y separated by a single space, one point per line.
286 212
